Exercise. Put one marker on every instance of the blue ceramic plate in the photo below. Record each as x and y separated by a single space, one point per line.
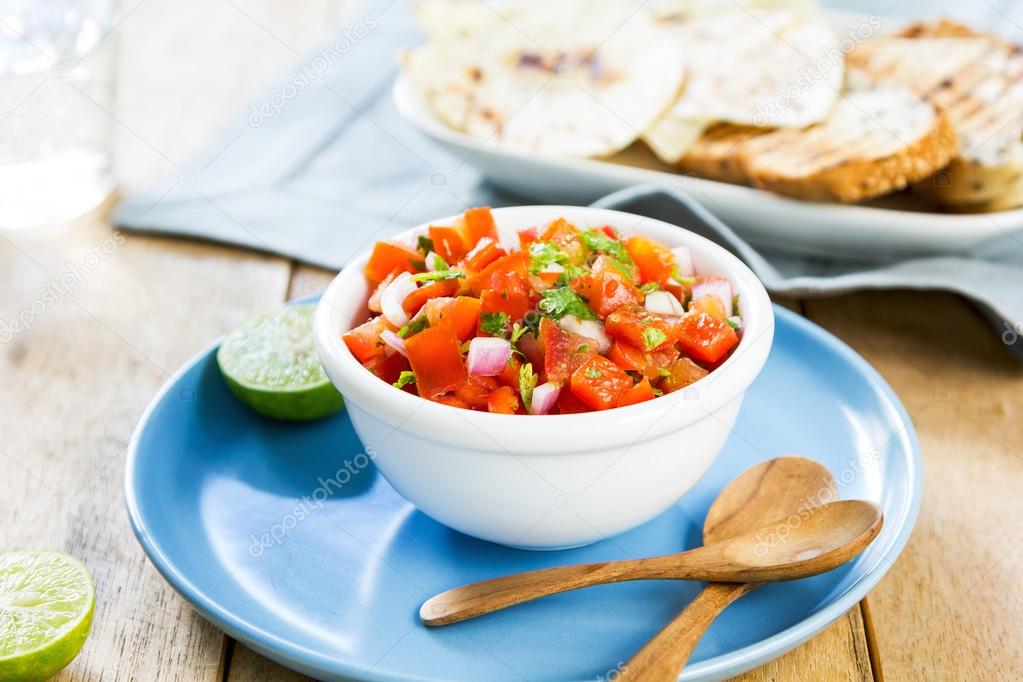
287 538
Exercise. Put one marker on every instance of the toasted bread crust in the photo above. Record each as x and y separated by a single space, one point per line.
851 180
970 186
718 154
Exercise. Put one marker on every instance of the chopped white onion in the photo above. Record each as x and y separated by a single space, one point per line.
394 341
480 245
487 356
684 260
434 262
544 397
374 299
555 268
736 321
591 329
394 295
664 303
718 286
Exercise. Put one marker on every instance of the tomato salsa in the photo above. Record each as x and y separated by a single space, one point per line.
572 320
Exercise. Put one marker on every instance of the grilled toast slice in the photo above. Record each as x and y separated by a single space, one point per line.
877 140
978 80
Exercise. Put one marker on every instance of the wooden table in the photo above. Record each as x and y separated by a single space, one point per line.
77 381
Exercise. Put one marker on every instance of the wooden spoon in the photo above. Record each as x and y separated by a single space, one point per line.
786 486
792 547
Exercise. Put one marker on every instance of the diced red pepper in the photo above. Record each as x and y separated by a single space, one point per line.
656 262
639 393
414 301
448 243
704 337
461 313
563 351
477 224
609 291
503 400
507 273
436 360
388 257
364 341
682 373
598 382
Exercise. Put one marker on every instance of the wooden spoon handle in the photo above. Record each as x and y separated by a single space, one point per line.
477 599
664 656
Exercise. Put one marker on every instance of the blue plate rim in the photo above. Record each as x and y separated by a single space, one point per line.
735 662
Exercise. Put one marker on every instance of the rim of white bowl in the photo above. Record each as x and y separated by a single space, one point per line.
559 433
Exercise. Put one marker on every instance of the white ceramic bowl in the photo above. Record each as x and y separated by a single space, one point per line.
554 481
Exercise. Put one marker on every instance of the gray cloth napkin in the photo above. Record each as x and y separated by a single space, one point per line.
319 165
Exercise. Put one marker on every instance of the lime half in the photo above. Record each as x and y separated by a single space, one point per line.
270 363
46 603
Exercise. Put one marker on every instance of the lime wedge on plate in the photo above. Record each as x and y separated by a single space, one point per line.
46 603
270 363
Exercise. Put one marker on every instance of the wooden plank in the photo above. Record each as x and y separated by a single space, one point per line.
949 607
93 323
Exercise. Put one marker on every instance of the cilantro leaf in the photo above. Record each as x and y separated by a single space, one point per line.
556 303
424 244
416 325
437 276
495 324
653 337
593 373
650 287
527 382
542 255
404 379
517 332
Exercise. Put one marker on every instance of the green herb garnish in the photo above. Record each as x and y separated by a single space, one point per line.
527 382
542 255
437 276
732 323
664 372
556 303
424 244
593 373
494 324
517 331
416 325
653 337
595 240
404 379
650 287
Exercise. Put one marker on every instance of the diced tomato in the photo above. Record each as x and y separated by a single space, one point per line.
602 264
598 382
560 232
364 341
569 404
627 356
563 351
448 243
461 313
609 231
682 373
642 329
509 376
507 273
656 262
503 400
705 337
527 237
609 291
483 255
514 304
388 257
477 224
639 393
436 360
414 301
710 304
659 360
452 401
388 367
475 391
